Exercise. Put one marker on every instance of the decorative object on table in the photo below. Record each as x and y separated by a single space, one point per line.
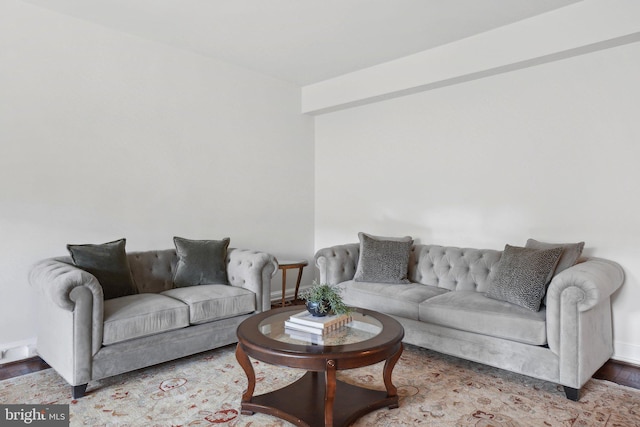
323 299
318 393
319 325
307 337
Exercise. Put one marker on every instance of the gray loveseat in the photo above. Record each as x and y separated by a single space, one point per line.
85 338
443 307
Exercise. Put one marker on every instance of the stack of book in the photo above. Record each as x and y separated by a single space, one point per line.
305 322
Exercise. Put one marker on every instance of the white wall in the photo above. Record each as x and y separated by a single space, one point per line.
105 136
549 152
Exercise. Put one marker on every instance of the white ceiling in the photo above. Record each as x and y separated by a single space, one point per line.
303 41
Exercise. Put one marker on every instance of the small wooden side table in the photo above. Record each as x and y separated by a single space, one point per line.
287 265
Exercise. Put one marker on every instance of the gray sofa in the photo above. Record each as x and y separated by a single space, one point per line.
85 338
443 307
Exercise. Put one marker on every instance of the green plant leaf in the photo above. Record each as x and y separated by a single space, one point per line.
326 295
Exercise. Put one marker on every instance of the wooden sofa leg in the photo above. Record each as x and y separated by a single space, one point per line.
77 391
572 393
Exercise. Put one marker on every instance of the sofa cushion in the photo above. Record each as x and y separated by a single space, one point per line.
109 264
522 275
200 262
212 302
570 252
383 259
473 312
398 299
140 315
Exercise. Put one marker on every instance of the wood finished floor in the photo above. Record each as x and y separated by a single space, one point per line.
614 371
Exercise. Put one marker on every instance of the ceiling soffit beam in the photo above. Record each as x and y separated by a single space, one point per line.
574 30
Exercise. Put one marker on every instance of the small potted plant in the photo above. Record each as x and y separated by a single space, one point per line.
323 299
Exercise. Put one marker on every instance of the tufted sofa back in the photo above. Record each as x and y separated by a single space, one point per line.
152 271
448 267
460 269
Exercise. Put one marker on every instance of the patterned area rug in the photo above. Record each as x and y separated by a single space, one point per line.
435 390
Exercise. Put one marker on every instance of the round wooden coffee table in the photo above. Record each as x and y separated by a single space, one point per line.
370 338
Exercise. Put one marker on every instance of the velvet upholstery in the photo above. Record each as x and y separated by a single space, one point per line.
139 353
571 252
108 263
522 275
200 262
383 259
72 314
461 321
212 302
473 312
399 300
461 269
136 316
534 361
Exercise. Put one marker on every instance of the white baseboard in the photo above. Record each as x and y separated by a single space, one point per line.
14 351
625 352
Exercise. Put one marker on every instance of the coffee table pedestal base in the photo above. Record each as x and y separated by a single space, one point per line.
302 403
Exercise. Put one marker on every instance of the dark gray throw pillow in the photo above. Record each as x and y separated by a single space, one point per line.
201 262
570 252
522 275
383 259
108 263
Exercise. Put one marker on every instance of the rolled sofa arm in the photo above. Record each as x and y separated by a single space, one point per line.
252 270
56 279
337 263
66 286
579 325
596 278
584 286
